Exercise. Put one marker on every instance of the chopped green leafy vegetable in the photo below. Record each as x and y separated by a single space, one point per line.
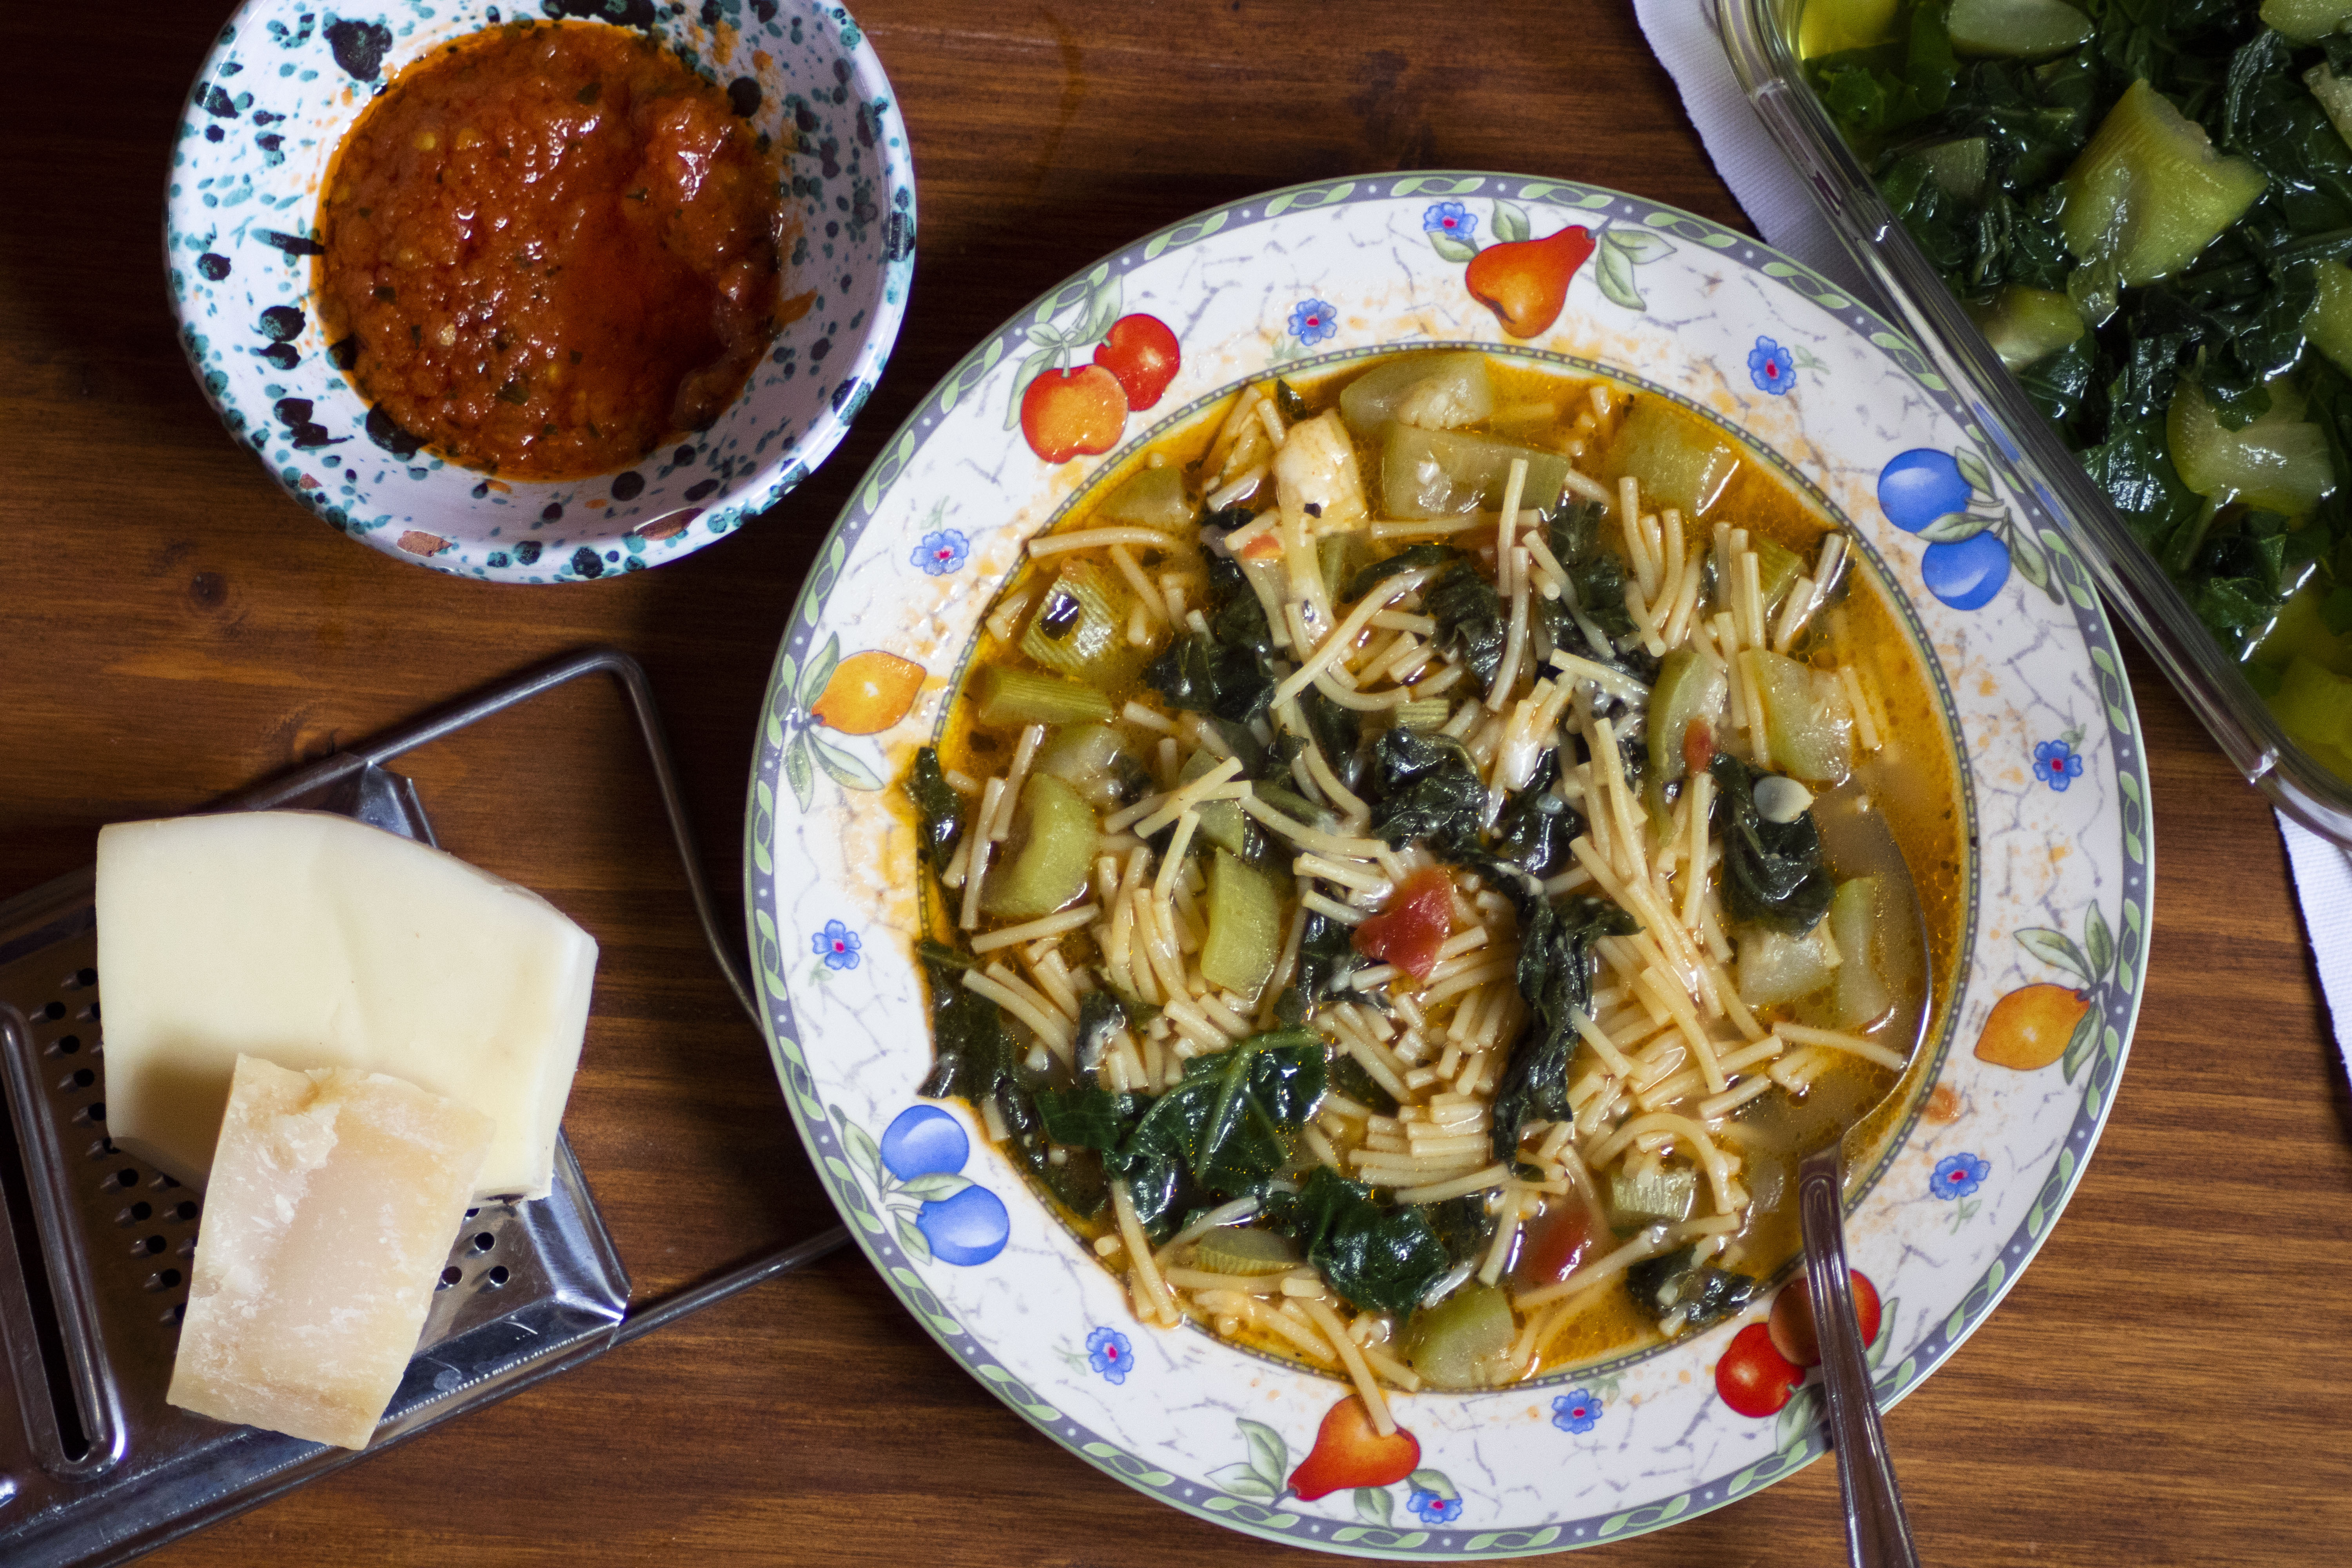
1555 977
1228 672
979 1060
1426 786
1200 676
1461 1226
1679 1282
1381 1258
1100 1016
1337 732
1223 1131
1088 1117
1236 614
939 810
977 1055
1470 618
1537 826
1326 957
1773 873
1380 572
1349 1078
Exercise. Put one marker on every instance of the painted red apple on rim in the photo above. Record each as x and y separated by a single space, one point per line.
1753 1377
1793 1333
1065 413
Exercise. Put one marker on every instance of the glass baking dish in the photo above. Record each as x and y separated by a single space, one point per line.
1760 37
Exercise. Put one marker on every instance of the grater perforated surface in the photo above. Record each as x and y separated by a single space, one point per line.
528 1289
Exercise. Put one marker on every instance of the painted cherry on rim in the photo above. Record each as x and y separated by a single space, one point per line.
1141 352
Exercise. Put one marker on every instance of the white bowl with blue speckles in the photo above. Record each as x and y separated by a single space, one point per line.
281 88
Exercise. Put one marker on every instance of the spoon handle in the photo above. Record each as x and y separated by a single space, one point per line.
1878 1536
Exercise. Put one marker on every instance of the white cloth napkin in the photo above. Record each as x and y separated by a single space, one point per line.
1682 34
2323 880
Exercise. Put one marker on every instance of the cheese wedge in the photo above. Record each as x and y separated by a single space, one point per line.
313 939
335 1198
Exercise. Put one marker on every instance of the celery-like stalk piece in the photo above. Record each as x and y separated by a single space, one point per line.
1677 463
1805 722
2278 463
1011 698
2151 191
2017 29
2024 325
1245 926
1051 849
2306 21
1151 497
1080 627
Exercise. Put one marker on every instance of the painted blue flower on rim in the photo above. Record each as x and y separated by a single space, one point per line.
1431 1509
1958 1175
1451 219
943 552
1108 1353
837 945
1772 367
1576 1412
2056 763
1312 321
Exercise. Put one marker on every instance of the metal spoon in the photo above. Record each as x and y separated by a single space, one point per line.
1877 1535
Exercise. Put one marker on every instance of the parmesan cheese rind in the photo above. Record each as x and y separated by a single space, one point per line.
335 1197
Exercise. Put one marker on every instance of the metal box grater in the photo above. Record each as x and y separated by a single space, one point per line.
96 1247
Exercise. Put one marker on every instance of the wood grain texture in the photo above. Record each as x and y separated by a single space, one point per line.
2163 1385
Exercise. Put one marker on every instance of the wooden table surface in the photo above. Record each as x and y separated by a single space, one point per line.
2163 1385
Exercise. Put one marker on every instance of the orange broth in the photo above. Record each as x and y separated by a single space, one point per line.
1912 784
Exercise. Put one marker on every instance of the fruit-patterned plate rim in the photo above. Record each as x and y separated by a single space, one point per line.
1291 281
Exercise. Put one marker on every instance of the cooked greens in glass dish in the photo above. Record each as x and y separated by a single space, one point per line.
2146 208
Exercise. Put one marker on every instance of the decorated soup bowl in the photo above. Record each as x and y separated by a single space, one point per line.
2049 891
272 104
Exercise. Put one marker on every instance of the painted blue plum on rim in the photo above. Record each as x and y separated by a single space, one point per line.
924 1140
1968 573
967 1229
915 1169
1920 486
1947 500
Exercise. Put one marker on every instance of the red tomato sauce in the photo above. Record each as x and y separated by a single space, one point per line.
553 246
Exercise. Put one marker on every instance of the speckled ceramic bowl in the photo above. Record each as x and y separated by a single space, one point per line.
272 104
2053 791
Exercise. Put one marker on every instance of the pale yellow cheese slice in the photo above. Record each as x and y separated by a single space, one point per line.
309 938
335 1197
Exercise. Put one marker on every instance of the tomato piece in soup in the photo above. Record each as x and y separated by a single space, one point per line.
1413 926
1555 1242
1698 745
